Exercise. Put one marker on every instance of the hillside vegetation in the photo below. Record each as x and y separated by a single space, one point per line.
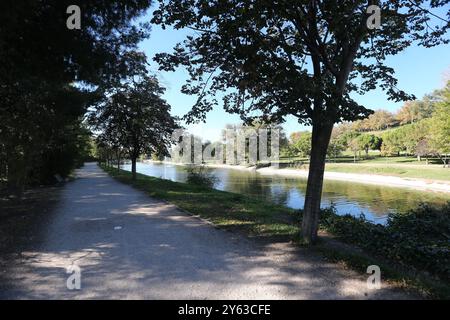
414 142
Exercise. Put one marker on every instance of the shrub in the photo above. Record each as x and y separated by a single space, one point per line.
419 238
199 176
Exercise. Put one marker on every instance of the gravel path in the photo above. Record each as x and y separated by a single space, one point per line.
130 246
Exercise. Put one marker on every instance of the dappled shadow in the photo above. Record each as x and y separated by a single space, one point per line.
130 246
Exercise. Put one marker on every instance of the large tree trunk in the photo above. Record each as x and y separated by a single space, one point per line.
320 139
133 167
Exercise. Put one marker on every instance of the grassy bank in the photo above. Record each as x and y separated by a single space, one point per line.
278 223
403 166
404 171
224 209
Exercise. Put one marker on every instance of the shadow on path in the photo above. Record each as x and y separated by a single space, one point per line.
130 246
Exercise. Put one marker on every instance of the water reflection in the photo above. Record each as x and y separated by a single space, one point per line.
375 202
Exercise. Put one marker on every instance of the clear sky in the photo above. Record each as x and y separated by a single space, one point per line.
419 71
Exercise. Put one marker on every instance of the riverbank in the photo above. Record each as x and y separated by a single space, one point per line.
275 223
390 181
432 185
373 179
211 165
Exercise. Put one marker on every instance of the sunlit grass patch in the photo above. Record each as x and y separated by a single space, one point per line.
224 209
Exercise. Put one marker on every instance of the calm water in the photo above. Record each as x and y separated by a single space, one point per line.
375 202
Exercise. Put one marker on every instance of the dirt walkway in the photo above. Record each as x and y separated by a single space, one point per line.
130 246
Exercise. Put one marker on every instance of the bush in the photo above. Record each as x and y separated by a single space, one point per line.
199 176
418 239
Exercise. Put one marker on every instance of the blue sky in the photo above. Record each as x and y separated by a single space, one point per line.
419 71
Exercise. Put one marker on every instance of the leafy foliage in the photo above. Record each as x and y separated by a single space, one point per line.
299 58
49 75
413 111
301 143
419 238
368 141
440 124
133 117
198 175
379 120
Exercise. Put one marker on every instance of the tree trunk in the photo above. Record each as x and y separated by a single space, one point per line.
16 174
443 159
118 161
320 139
15 183
133 167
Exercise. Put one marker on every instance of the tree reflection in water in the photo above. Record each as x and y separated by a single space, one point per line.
374 201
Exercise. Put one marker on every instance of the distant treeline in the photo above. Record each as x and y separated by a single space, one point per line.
420 128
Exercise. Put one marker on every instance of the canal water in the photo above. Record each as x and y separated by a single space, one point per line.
374 202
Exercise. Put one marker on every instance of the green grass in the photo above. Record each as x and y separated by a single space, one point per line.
264 220
402 166
404 171
224 209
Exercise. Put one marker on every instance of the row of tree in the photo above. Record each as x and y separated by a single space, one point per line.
132 119
300 144
51 74
428 136
271 60
298 58
411 112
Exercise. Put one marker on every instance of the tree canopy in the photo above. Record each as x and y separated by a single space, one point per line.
440 126
301 58
50 74
134 119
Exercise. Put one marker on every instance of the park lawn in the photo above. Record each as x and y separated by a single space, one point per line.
389 169
375 157
402 166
